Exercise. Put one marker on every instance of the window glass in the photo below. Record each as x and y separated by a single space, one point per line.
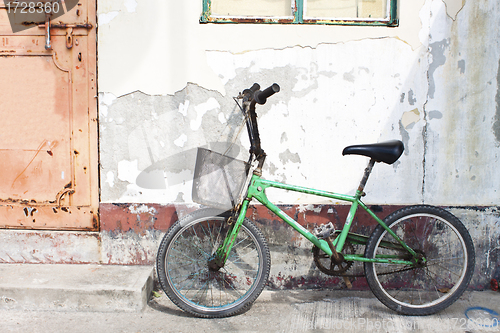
344 9
252 8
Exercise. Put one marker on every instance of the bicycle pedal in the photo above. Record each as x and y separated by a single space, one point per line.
324 230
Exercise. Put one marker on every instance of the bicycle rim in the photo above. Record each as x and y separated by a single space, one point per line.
204 290
434 282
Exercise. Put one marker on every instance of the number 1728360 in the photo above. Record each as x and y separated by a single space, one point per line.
32 7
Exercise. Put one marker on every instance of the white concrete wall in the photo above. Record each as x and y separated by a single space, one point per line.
166 83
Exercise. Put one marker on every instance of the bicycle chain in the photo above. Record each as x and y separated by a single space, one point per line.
341 272
386 273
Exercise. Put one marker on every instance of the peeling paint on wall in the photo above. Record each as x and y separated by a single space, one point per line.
410 118
433 83
438 58
287 156
148 151
130 234
496 124
167 45
130 5
453 7
459 136
316 108
461 66
105 18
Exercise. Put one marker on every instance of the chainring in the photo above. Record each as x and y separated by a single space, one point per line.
326 264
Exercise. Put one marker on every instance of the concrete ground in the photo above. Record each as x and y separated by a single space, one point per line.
274 311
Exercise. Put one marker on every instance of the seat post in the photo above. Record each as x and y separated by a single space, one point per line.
368 170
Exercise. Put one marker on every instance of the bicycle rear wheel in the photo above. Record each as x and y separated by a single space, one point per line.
188 280
432 284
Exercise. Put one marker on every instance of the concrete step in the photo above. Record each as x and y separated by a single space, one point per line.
103 288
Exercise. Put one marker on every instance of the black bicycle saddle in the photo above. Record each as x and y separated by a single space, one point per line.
387 152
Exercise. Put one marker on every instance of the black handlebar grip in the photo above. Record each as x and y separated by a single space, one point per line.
255 87
252 89
261 96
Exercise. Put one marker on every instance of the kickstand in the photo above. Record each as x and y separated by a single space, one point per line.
347 282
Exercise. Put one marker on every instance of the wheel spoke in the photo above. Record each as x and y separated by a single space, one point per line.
193 281
437 276
202 290
435 285
201 250
442 267
187 257
230 283
445 259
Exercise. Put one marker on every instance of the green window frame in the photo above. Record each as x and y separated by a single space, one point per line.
297 16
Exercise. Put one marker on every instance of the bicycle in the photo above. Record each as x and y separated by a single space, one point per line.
417 261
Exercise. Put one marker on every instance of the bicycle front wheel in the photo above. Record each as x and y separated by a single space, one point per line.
196 286
440 275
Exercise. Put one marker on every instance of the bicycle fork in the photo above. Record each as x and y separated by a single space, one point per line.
222 252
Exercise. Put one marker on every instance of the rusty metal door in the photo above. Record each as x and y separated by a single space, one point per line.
48 126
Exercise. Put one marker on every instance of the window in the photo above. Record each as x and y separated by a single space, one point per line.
344 12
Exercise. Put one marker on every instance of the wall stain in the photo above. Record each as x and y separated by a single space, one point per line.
438 59
435 114
288 156
411 99
496 124
461 66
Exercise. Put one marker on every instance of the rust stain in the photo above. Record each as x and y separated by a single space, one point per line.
250 20
24 202
28 23
118 218
29 211
39 170
45 143
95 220
266 20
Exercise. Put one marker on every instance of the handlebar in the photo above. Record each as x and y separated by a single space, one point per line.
250 97
261 96
255 94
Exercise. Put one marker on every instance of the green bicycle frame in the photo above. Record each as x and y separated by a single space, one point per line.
256 190
257 187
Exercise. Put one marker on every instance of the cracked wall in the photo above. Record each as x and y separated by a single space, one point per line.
166 84
163 46
461 145
328 100
421 83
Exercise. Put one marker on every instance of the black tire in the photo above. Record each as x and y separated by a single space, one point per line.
439 237
184 274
